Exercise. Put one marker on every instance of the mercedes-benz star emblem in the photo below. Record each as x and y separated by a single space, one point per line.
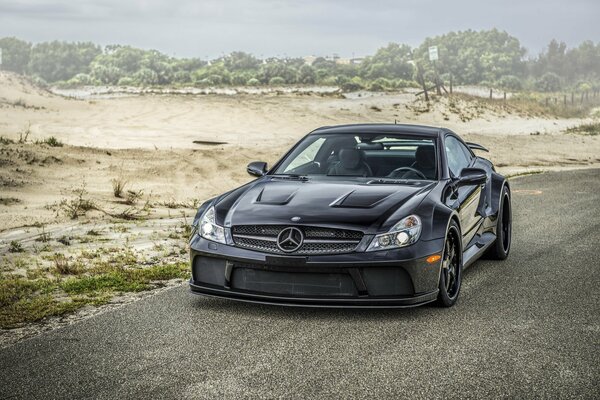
290 239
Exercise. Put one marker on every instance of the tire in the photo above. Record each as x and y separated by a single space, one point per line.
451 269
501 247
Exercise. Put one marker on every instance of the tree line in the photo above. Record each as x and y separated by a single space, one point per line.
488 57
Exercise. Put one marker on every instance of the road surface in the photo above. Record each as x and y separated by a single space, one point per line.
527 327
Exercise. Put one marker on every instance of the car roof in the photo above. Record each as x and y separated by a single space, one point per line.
421 130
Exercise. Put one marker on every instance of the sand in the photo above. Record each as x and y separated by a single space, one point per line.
147 140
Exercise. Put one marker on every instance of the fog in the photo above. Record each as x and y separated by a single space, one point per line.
211 28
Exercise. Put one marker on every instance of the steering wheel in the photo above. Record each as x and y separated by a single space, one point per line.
396 173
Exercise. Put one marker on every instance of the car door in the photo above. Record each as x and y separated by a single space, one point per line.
464 198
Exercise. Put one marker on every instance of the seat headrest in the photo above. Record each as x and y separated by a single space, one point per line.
425 156
350 158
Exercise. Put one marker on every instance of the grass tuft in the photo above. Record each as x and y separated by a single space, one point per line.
591 129
15 247
118 186
51 141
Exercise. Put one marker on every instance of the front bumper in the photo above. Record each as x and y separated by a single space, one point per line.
393 278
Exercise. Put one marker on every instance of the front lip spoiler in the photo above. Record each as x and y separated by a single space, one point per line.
321 302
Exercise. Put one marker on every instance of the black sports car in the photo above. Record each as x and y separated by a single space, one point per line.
378 215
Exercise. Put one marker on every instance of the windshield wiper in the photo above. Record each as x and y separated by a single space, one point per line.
291 176
390 182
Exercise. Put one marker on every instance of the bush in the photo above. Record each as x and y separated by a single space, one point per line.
146 76
351 86
182 77
549 82
404 83
376 87
81 80
510 82
276 81
240 78
341 79
329 81
253 82
380 85
583 86
126 81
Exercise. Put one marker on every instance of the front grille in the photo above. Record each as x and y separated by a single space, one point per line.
317 240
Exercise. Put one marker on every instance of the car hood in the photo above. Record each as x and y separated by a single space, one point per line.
353 205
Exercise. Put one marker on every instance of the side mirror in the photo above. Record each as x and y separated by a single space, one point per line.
257 168
472 176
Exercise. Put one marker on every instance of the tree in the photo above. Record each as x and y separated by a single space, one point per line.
306 75
59 61
238 60
276 68
549 82
15 54
389 62
474 56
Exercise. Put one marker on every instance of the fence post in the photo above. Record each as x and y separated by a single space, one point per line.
572 98
565 100
423 82
450 83
490 93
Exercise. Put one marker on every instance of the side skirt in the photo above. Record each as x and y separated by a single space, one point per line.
477 248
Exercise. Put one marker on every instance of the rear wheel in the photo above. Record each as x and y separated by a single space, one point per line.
451 273
501 247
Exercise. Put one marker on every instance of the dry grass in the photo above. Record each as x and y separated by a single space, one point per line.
591 129
64 266
77 206
118 186
132 196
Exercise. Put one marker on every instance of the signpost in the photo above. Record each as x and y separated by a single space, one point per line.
433 57
433 53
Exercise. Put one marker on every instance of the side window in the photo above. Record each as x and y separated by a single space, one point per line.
458 156
307 155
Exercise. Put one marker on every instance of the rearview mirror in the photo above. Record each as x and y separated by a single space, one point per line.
472 176
257 168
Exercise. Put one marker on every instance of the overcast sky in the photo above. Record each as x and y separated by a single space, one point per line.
210 28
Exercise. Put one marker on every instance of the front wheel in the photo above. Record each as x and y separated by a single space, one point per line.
451 273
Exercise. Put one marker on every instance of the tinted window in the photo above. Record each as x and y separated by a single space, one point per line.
307 155
363 155
457 154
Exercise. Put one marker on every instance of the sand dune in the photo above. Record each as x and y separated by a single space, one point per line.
149 140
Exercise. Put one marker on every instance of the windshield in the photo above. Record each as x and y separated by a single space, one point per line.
376 156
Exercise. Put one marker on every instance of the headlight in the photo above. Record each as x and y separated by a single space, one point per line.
209 229
404 233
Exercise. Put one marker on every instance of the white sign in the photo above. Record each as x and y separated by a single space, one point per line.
433 53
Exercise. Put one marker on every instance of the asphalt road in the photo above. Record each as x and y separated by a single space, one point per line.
528 327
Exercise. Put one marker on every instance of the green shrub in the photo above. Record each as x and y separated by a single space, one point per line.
126 81
549 82
81 80
510 82
351 86
276 81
